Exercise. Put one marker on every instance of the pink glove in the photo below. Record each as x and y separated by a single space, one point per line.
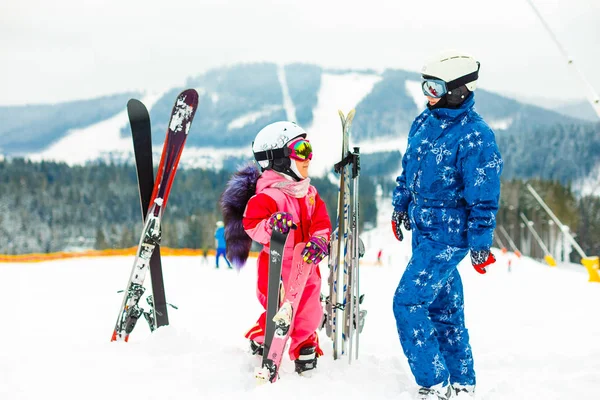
281 222
316 250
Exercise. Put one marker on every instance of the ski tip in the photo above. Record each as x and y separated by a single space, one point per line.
136 110
190 96
135 104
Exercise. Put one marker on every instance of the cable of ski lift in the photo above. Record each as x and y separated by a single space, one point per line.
592 96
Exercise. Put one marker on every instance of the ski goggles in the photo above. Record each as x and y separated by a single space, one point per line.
301 150
436 88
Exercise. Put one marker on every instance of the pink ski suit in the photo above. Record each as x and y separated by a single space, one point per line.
310 216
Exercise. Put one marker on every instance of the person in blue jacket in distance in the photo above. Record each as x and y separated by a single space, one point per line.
221 244
447 195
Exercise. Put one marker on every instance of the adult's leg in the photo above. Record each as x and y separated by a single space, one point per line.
425 276
447 314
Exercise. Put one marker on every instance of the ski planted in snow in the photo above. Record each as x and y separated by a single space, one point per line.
342 309
141 133
284 318
276 248
177 131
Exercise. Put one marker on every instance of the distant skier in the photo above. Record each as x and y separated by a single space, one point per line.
220 244
448 193
282 196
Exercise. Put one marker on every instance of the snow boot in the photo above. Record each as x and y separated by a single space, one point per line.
436 392
307 359
463 391
256 348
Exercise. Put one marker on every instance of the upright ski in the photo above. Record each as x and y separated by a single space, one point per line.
342 305
177 131
276 248
284 318
139 120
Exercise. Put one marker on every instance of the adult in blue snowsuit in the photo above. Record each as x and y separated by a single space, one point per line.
448 195
221 244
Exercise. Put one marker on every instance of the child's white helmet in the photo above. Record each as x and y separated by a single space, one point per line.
270 141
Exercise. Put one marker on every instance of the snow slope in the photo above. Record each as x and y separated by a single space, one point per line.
338 91
534 333
99 140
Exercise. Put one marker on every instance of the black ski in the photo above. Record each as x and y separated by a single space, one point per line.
141 133
273 291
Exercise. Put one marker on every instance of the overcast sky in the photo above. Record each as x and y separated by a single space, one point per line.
72 49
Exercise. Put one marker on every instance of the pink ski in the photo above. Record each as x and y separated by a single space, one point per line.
284 318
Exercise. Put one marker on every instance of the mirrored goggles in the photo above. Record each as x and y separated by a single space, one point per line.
434 87
301 150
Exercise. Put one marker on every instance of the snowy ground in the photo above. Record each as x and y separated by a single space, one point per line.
534 333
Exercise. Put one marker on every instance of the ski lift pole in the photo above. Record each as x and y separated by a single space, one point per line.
502 246
548 257
562 227
591 95
510 241
592 264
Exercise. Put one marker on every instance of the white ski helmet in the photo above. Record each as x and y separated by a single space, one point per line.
269 144
453 67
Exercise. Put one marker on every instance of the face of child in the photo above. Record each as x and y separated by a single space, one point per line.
302 167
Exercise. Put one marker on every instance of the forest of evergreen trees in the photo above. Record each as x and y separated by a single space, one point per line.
48 207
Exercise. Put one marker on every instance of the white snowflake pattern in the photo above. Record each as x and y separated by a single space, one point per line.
447 254
464 121
464 366
438 366
481 176
418 178
437 287
440 152
425 216
447 175
495 163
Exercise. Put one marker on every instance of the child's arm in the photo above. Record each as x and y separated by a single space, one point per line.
256 217
320 224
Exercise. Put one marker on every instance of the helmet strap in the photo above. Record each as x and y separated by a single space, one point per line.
463 80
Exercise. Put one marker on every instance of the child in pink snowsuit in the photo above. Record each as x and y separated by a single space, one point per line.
284 199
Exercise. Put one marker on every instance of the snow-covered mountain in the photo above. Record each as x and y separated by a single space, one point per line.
237 101
534 332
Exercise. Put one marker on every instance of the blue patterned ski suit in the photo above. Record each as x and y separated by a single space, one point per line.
450 187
